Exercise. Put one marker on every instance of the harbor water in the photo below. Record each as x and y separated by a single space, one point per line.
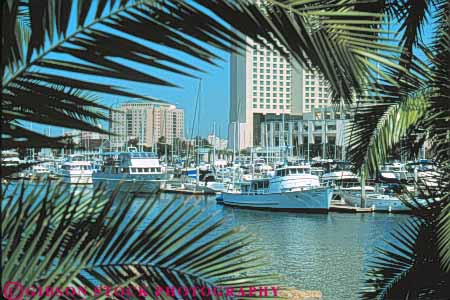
320 252
324 252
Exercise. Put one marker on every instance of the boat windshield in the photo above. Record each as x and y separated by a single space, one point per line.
291 171
143 155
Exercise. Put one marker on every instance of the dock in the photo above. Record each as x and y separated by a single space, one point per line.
179 188
349 209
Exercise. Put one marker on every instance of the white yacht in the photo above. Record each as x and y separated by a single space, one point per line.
344 184
76 170
10 158
292 188
132 171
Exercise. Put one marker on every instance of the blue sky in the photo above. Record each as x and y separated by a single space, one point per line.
214 93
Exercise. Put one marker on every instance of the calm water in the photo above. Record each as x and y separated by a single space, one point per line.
323 252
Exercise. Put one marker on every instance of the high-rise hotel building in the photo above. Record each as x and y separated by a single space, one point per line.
146 122
265 83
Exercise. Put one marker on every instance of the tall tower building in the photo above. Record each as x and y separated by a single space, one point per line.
146 122
263 82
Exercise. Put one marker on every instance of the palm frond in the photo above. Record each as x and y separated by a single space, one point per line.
376 128
86 239
407 265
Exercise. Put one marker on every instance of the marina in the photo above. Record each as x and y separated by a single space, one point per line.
203 150
248 182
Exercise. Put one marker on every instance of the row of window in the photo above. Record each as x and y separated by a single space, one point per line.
274 71
280 95
314 100
274 66
288 83
268 100
274 88
274 59
261 106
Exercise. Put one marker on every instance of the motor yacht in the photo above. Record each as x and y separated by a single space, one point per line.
131 171
292 188
76 170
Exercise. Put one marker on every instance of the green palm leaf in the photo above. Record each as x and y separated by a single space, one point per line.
369 147
51 238
407 265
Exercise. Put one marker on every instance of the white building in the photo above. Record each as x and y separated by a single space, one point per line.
217 142
146 122
320 132
264 82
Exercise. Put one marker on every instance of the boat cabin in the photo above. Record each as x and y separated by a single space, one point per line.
133 163
292 170
257 186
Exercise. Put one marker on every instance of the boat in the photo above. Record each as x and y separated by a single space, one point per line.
292 188
378 202
131 171
343 183
76 170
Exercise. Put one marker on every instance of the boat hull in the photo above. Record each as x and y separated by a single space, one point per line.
130 184
77 178
314 200
380 203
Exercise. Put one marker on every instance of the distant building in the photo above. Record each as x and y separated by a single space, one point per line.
89 141
219 143
264 81
145 123
320 132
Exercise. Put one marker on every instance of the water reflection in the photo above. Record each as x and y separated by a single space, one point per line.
323 252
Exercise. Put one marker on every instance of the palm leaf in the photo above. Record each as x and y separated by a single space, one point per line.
86 239
408 265
369 147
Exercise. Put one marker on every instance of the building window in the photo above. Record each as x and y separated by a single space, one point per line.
254 75
261 65
307 101
307 107
267 65
261 106
268 82
288 107
281 95
255 106
255 64
255 93
274 95
268 88
275 76
281 106
274 65
261 76
267 100
261 82
274 106
267 105
268 76
274 59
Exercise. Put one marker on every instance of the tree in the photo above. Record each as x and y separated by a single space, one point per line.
380 74
87 239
